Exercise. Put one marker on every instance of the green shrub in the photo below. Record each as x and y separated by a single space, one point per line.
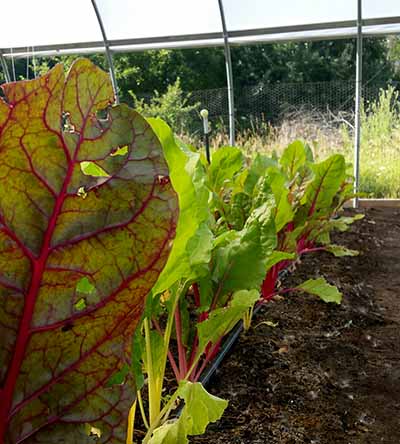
172 106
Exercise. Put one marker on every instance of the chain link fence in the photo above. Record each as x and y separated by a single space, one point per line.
270 116
273 101
323 114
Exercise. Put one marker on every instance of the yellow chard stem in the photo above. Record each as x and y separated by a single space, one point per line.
154 398
141 407
131 424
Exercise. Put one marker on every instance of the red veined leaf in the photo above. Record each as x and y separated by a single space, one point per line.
78 253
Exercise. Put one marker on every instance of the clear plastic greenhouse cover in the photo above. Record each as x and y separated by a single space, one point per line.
49 26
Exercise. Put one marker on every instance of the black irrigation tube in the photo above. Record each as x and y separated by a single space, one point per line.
233 337
226 347
229 342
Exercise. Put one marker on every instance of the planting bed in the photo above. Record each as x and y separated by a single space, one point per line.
325 374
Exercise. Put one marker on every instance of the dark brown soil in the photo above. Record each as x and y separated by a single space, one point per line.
326 374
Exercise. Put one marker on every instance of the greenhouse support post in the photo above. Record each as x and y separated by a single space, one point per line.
107 51
357 125
5 68
229 76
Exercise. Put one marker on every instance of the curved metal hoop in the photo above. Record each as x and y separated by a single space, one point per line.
108 51
229 75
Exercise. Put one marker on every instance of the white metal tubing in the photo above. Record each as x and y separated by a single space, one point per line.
229 76
202 38
107 51
5 68
357 125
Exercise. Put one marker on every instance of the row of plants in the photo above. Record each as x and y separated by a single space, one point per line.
250 219
126 258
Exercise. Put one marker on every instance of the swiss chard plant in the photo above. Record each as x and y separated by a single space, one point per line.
87 219
311 197
308 198
205 289
228 242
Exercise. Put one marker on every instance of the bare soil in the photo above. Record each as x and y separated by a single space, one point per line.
326 374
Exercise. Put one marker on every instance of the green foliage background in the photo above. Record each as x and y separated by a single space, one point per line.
145 72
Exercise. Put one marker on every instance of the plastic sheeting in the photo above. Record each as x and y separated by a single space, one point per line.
52 26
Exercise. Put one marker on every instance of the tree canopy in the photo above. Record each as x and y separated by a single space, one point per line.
145 72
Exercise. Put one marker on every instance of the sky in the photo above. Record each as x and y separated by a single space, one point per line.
40 22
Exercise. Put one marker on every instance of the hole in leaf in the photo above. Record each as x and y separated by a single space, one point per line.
92 169
84 286
92 431
163 180
66 124
82 193
80 305
120 151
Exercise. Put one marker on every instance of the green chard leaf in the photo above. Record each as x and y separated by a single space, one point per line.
340 251
343 223
278 184
278 256
200 409
328 177
294 157
258 168
225 163
193 241
222 320
239 263
319 287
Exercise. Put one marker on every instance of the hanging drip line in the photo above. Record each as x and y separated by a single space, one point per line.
13 66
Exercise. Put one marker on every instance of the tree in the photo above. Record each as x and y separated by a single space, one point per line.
145 72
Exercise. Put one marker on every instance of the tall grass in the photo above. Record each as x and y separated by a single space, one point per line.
328 133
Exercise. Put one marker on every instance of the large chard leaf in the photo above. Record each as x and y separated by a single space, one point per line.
78 253
328 176
193 242
294 157
240 257
226 162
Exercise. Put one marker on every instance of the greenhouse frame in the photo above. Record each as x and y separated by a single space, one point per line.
164 283
218 23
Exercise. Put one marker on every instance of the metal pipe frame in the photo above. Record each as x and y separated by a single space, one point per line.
357 124
107 51
202 39
4 67
229 75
